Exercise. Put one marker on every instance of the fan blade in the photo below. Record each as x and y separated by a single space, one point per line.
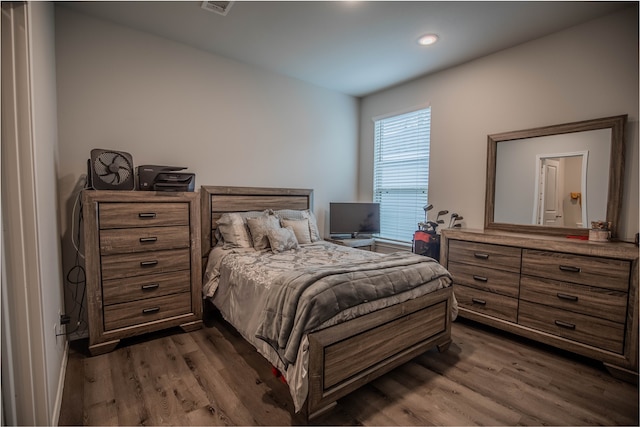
124 172
106 177
101 166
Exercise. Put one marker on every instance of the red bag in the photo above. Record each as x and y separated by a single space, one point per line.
427 244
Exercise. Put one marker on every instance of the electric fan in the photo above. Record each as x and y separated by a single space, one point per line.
111 170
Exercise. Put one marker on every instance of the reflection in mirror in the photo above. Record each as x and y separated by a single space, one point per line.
554 204
555 179
535 178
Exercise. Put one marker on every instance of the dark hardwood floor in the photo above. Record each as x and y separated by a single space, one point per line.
213 377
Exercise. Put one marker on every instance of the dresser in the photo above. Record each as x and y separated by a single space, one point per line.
576 295
143 264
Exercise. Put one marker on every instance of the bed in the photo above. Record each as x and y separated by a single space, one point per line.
332 318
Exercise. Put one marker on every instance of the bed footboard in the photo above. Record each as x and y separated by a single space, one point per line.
346 356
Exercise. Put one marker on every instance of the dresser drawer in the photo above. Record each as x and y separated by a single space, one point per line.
590 330
585 270
488 303
599 302
114 241
126 215
483 254
488 279
135 288
149 310
136 264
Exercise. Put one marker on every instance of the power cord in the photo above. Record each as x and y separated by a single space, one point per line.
76 276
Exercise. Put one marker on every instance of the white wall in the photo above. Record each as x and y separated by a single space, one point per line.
585 72
46 164
170 104
34 358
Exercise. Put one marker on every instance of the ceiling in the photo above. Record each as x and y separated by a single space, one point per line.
353 47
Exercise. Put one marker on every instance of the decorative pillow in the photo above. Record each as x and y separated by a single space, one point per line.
217 236
233 228
259 227
300 228
234 232
302 214
282 239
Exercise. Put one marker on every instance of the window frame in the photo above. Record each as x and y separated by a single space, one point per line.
419 191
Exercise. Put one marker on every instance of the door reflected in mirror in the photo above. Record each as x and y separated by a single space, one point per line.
561 197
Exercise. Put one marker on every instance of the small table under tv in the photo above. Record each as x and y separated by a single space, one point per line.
365 244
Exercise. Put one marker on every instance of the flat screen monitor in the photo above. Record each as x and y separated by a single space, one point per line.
354 218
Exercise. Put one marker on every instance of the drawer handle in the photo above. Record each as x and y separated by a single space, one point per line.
570 268
148 239
478 301
565 325
150 310
150 286
480 278
148 263
146 215
567 297
481 255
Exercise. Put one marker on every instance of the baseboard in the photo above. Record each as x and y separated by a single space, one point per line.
55 416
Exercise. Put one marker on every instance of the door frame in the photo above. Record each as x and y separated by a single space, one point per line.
24 389
583 178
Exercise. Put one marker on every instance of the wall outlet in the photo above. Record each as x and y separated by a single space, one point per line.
60 334
58 327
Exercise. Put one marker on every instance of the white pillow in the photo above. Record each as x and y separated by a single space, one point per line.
302 214
300 228
234 230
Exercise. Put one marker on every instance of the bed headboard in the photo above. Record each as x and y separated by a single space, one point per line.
218 200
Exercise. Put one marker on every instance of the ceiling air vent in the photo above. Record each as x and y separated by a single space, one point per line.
219 7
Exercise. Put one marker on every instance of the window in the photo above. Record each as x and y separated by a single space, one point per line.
401 172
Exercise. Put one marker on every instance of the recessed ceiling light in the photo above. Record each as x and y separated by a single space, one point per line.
428 39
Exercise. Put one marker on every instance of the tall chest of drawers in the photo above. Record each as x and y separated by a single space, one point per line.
576 295
143 264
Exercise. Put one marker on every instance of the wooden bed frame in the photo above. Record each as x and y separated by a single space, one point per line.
348 355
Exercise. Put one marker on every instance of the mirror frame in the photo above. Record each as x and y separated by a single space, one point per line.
616 173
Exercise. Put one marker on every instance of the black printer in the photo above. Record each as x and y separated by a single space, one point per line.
165 178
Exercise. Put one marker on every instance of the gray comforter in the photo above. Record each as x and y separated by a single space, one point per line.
302 300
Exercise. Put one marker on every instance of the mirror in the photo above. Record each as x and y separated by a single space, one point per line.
556 179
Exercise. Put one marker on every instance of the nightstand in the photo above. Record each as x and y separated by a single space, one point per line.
365 244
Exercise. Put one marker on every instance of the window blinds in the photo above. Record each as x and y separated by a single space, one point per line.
401 172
